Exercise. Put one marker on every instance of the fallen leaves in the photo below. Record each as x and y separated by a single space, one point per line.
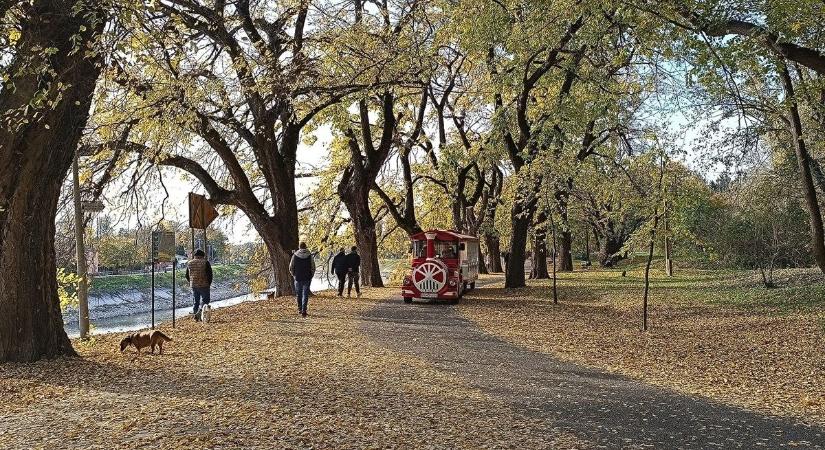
258 376
767 359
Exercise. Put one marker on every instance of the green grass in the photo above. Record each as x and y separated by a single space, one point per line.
797 289
119 283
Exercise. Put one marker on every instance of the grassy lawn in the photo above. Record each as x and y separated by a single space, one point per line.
118 283
719 334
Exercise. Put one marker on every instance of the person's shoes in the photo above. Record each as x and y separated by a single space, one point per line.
349 295
303 314
340 295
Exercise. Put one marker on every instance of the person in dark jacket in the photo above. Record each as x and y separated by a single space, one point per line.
302 268
353 267
199 275
339 268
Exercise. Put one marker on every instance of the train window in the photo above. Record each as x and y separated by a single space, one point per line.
462 246
419 249
446 249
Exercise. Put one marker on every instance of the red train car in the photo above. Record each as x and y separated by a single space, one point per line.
444 266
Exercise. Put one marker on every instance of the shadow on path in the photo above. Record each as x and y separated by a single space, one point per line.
601 408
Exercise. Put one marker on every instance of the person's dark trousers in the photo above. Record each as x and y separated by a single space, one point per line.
353 279
302 295
342 278
200 294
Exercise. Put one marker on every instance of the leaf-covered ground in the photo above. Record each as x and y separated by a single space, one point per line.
715 334
259 376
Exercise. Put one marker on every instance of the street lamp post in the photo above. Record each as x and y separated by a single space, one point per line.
83 286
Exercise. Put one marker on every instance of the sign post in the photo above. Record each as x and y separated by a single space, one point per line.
153 293
201 214
174 282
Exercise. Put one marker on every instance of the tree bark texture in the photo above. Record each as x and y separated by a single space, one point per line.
35 157
808 187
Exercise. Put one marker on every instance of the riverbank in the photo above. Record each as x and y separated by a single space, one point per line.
133 310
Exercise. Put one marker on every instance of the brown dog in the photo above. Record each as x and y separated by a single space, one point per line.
145 339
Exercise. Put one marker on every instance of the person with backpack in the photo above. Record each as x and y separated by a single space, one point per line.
339 268
302 268
199 276
353 261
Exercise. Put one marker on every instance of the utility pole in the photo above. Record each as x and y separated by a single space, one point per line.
83 286
668 241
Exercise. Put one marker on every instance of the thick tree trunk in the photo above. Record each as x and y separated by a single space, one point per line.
609 247
34 160
564 253
520 220
482 264
280 267
365 239
540 254
808 188
280 247
355 196
493 244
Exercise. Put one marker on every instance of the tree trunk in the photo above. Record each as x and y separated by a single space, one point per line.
564 251
365 239
651 246
540 254
280 258
482 265
35 158
494 252
555 251
609 246
808 188
280 247
514 272
564 255
355 195
668 243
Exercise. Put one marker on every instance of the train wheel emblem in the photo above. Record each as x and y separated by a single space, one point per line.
430 276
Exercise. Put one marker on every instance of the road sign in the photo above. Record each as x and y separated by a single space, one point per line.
92 206
201 212
163 245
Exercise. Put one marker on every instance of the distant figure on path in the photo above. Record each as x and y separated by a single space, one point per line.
199 275
302 268
353 267
339 268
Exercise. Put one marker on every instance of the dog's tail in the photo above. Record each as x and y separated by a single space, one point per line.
165 337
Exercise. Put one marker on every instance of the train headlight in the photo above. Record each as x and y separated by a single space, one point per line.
452 283
407 281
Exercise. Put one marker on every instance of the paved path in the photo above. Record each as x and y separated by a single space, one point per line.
607 410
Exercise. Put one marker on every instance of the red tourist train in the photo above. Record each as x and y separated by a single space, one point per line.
444 266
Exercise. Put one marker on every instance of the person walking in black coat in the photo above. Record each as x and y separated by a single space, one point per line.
339 268
302 268
353 267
